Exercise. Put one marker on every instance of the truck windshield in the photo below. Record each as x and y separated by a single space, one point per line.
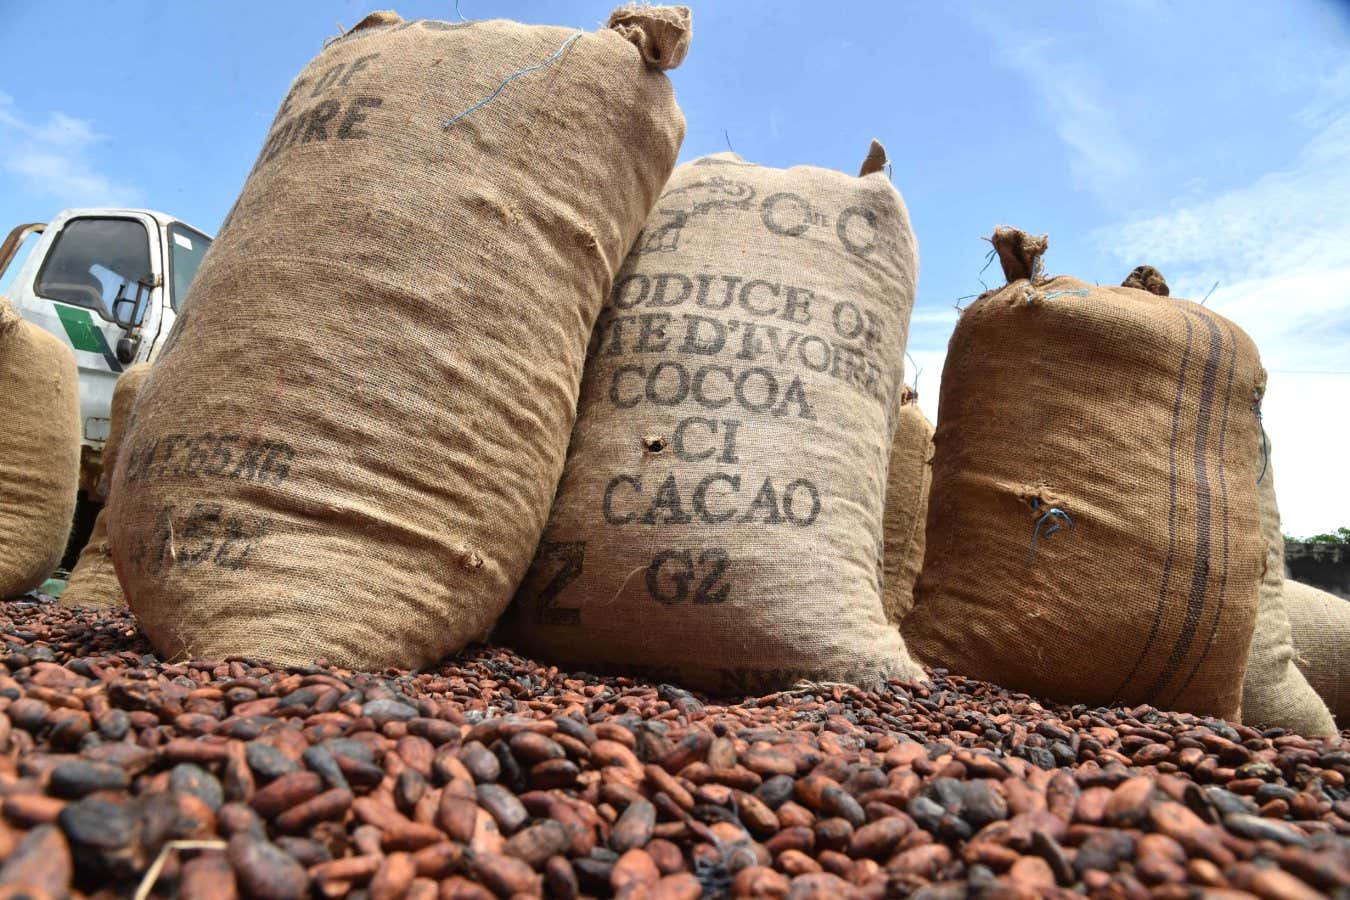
95 261
187 246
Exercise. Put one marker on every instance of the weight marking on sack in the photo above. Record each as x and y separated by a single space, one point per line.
205 534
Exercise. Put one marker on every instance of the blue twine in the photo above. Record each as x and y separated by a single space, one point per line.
512 77
1032 295
1053 513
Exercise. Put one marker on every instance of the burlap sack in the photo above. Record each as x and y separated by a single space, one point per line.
349 447
907 481
39 451
719 520
1320 623
94 580
1093 528
1275 693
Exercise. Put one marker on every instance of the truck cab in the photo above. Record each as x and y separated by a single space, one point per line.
109 283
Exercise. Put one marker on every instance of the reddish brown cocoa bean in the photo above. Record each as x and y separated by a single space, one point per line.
287 791
207 876
393 878
504 875
634 867
537 843
41 862
560 880
634 827
328 805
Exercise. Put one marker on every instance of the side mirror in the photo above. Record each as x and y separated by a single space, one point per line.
126 350
127 312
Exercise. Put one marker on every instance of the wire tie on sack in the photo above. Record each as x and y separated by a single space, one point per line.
1257 394
988 258
512 77
1054 513
1265 448
1033 296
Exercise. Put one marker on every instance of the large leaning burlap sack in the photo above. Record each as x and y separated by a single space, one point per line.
907 481
1275 693
39 451
719 520
1320 624
1093 527
93 582
349 447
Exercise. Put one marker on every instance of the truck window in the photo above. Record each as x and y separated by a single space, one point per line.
187 247
95 261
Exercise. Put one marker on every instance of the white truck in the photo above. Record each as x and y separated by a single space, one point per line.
109 283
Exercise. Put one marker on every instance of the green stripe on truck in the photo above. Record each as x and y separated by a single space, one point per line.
85 335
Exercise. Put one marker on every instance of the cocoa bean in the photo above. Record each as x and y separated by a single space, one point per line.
634 827
534 845
492 775
264 871
504 875
208 876
393 878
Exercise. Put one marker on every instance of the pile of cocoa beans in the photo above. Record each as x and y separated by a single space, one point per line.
495 776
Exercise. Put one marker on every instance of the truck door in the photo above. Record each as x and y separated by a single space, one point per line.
184 249
99 267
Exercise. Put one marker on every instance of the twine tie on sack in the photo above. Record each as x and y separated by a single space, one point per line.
513 76
1054 515
1033 296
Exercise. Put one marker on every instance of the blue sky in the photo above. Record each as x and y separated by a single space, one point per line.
1207 139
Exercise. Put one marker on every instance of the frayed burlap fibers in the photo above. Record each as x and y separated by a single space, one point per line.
349 448
39 451
1093 523
719 523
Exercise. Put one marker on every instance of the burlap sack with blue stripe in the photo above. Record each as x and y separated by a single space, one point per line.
1094 530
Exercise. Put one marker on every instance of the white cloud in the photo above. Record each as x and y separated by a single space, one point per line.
50 158
1101 160
1280 249
1309 438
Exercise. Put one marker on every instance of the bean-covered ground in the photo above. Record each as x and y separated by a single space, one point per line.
494 775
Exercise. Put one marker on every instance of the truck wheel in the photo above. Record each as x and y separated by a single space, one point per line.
86 511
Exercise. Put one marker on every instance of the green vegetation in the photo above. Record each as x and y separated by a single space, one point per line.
1339 536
